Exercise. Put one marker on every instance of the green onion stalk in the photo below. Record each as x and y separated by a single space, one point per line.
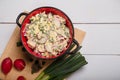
61 68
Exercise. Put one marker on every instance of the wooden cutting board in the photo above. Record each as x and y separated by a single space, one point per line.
15 52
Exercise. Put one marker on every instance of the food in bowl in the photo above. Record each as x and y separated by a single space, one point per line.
47 34
68 26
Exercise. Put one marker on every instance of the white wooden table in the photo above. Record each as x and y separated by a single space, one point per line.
99 18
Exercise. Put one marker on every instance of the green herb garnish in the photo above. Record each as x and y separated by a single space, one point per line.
18 44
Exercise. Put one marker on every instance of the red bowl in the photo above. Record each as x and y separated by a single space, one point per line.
47 10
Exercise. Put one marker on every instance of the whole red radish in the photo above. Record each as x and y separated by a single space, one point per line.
20 78
19 64
6 65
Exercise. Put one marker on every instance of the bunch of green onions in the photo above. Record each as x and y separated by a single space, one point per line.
59 69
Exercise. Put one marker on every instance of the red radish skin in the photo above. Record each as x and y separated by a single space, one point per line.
6 65
20 78
19 64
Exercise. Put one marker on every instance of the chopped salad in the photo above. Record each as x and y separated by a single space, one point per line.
47 34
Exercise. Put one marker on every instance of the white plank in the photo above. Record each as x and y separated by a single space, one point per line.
5 33
79 10
101 39
99 68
